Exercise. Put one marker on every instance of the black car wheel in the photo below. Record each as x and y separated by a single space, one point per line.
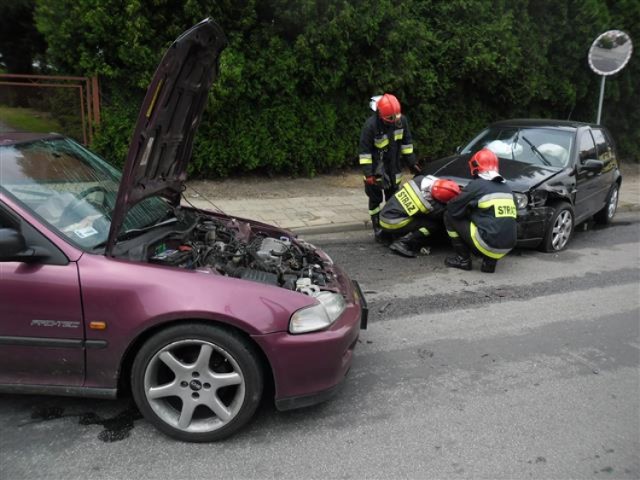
560 228
197 383
605 216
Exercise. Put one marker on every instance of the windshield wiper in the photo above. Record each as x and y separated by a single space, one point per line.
538 152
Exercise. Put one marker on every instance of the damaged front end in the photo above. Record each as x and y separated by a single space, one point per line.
536 207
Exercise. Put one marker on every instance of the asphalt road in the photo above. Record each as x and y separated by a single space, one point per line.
532 372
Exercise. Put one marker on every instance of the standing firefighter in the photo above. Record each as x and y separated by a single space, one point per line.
482 217
415 212
385 144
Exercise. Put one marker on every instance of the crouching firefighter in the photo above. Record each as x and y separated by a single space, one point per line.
385 145
482 218
415 212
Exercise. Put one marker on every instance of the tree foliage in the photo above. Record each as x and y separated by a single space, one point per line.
20 42
297 75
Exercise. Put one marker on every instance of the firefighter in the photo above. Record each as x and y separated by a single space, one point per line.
415 212
385 145
483 217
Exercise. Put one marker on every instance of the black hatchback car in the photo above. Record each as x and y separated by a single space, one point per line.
562 173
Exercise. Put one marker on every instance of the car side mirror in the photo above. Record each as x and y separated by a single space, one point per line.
11 243
458 148
592 165
13 248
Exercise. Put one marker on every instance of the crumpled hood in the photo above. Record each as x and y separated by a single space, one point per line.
519 176
160 149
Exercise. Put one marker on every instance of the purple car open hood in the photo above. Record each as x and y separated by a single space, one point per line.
160 149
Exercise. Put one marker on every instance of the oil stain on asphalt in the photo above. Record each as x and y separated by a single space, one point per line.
115 428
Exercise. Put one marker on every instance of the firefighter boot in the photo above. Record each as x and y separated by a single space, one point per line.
462 259
378 234
488 265
406 246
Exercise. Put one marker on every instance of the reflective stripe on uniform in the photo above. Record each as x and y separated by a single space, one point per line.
502 204
366 159
406 149
425 231
394 223
410 200
398 178
374 211
425 205
452 234
398 134
491 252
381 142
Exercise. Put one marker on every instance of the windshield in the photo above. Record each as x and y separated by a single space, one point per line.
550 147
71 189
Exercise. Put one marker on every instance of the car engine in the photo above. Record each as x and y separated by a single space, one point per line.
233 248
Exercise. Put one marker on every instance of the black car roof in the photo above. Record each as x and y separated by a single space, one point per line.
542 122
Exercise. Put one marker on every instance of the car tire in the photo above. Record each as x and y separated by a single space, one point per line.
197 382
560 228
605 216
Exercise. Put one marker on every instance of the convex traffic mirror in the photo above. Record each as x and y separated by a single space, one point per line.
610 52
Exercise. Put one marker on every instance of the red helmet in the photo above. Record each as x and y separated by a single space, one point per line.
388 108
483 161
444 190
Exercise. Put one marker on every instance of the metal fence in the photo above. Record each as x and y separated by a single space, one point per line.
71 103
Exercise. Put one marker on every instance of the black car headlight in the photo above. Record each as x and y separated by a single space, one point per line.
521 200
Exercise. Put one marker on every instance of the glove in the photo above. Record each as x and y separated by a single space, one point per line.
371 180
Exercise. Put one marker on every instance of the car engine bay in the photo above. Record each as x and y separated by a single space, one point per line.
237 249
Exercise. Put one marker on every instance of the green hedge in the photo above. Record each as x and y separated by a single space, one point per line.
296 77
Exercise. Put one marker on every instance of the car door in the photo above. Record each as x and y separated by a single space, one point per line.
41 328
588 183
606 154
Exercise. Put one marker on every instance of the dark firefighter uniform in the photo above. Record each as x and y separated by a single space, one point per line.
383 148
484 217
411 209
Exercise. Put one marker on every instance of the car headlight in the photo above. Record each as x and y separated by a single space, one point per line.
317 317
521 200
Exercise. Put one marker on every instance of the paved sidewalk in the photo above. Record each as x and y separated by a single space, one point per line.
327 203
340 212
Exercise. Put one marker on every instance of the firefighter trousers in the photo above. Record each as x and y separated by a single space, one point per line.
460 228
377 195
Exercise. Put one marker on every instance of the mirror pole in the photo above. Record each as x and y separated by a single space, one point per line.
600 101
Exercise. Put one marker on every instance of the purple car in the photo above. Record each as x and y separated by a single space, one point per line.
108 284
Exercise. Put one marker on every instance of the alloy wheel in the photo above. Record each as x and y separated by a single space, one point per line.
562 228
194 386
613 203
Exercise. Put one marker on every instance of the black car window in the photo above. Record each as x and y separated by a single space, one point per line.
605 152
587 147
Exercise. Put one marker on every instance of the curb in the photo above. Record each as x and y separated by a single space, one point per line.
628 207
366 225
332 228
